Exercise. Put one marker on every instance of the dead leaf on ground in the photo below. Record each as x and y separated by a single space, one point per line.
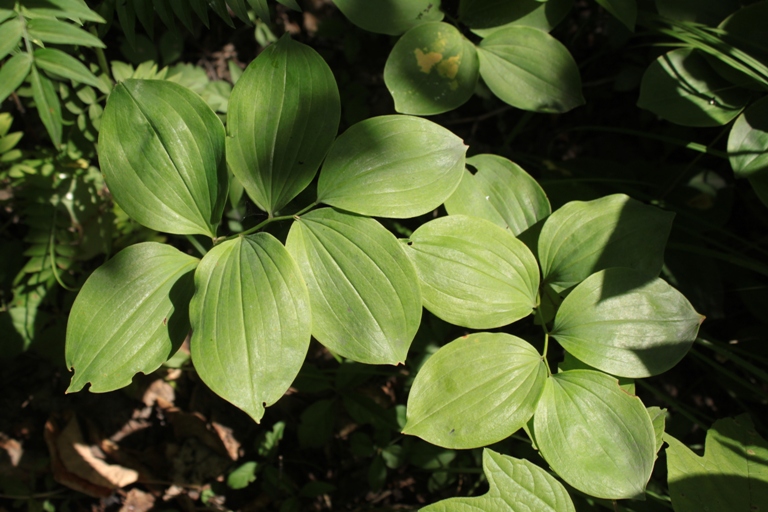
74 464
13 448
137 501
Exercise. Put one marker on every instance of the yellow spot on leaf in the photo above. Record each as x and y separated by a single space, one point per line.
426 61
449 68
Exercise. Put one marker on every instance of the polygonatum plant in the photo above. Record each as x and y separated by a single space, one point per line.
588 272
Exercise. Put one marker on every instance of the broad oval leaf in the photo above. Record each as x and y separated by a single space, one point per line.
283 116
251 321
432 69
732 474
48 104
475 391
474 273
620 322
392 166
60 32
61 64
515 484
161 149
744 31
623 10
531 13
501 192
130 316
366 303
530 70
748 141
391 17
598 438
583 237
680 86
13 72
10 35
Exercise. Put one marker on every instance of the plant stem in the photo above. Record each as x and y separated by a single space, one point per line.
197 245
266 222
546 339
100 56
728 353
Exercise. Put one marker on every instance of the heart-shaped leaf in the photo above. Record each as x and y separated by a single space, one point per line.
475 391
392 166
251 321
598 438
583 237
391 17
432 69
501 192
515 484
748 141
130 316
619 321
161 149
363 289
680 86
530 70
283 116
474 273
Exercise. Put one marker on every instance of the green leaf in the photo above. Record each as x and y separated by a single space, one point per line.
515 485
240 8
598 438
250 320
392 166
291 4
363 289
59 63
659 420
10 35
283 116
759 183
261 8
432 69
391 17
72 9
475 391
129 317
162 154
623 10
583 237
620 322
732 475
242 476
706 12
748 141
183 10
680 86
13 73
501 192
60 32
530 13
744 31
530 70
474 273
48 106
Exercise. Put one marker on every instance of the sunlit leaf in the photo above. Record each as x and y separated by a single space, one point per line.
363 289
48 105
530 70
499 191
598 438
748 141
744 30
619 321
432 69
680 86
392 166
732 475
130 316
475 391
161 149
250 320
583 237
60 32
283 116
59 63
474 273
391 17
515 485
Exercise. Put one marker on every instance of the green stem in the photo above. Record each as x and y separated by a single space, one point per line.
100 56
52 253
197 245
727 352
270 220
546 338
